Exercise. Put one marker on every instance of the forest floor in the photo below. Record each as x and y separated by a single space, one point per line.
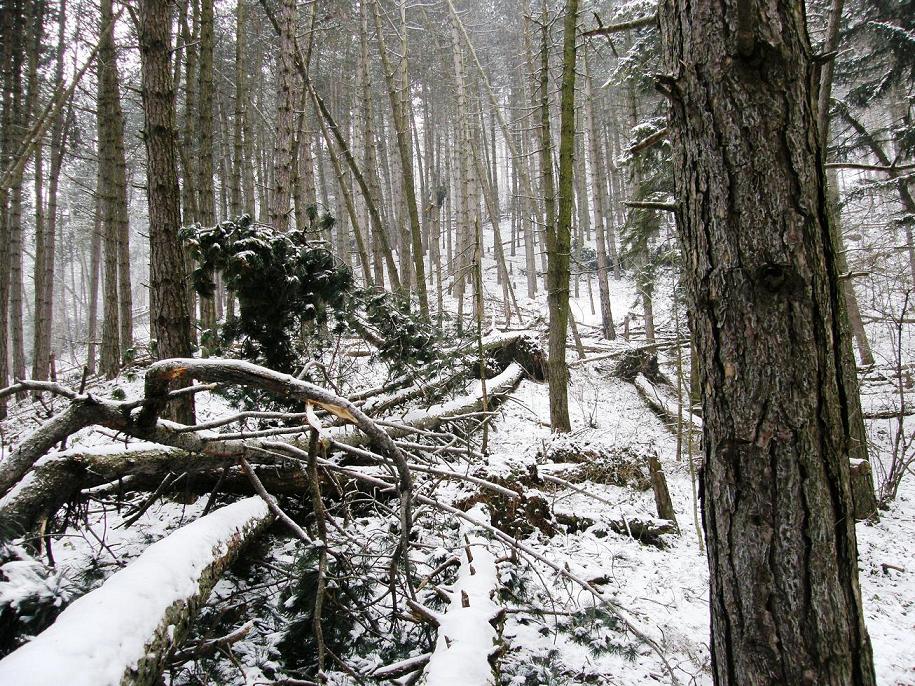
549 638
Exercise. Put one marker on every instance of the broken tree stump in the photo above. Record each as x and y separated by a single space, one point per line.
661 494
861 482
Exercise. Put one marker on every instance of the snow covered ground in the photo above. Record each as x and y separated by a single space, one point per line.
552 632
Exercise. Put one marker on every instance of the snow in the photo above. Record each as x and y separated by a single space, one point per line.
465 635
105 633
665 591
666 402
28 579
497 384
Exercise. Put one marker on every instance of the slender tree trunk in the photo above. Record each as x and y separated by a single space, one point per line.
7 50
189 144
44 296
855 325
600 211
283 152
764 296
558 234
95 258
236 200
463 141
401 123
207 195
110 360
117 335
25 24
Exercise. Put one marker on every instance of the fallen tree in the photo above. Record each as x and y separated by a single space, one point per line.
56 478
377 455
122 632
467 638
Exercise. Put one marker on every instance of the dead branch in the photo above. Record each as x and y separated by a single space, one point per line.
650 20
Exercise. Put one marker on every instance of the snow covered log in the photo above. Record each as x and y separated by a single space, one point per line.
643 528
85 411
122 632
467 637
663 401
57 478
433 417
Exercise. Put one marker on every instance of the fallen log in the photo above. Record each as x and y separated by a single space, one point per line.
644 529
663 401
433 417
57 478
122 632
467 635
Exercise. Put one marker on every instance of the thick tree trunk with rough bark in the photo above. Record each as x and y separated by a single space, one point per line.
170 318
764 296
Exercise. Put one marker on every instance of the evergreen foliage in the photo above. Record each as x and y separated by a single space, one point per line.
283 283
292 292
651 169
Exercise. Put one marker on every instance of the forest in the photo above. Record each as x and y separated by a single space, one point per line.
457 342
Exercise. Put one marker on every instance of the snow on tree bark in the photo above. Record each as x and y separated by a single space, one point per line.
123 632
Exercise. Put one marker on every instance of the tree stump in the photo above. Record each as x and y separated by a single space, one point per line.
661 494
861 482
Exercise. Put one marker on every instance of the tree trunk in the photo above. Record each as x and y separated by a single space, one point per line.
558 233
401 122
117 334
207 195
95 258
44 264
283 151
600 211
764 297
21 114
6 85
170 317
240 160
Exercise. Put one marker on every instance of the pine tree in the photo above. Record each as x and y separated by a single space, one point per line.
785 601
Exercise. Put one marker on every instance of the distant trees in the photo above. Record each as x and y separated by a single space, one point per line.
433 149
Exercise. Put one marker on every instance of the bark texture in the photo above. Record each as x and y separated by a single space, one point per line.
765 303
170 317
559 236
